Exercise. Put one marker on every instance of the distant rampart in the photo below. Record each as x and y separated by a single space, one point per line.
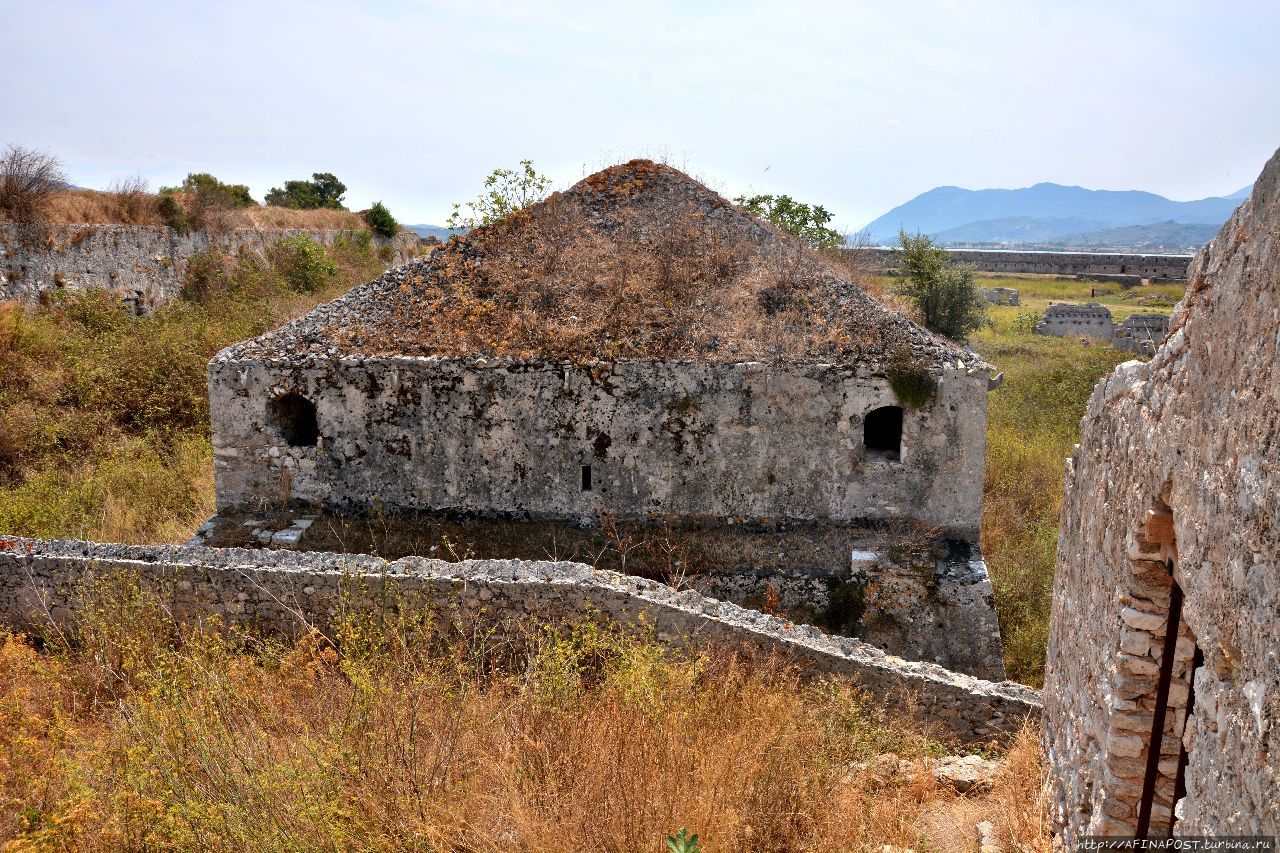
1083 264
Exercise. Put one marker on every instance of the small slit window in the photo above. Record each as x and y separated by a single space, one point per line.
882 433
295 417
585 476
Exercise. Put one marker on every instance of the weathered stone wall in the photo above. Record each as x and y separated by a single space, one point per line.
143 265
1065 320
690 439
1141 333
1158 267
1000 295
288 592
1177 479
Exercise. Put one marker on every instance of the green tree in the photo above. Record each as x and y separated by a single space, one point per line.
209 190
302 263
323 190
808 222
946 295
381 220
506 191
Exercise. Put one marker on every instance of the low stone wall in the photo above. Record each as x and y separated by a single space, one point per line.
1116 266
286 592
145 266
1139 333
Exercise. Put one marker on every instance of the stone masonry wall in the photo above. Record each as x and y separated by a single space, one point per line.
690 439
288 592
144 265
1158 267
1177 480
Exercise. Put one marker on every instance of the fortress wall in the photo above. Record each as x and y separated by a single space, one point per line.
633 439
289 592
141 264
1124 267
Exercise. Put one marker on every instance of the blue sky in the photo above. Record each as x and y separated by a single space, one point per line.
855 105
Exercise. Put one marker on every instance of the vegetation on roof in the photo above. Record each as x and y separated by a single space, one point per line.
635 261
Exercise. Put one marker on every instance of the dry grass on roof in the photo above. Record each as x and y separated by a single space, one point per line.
636 261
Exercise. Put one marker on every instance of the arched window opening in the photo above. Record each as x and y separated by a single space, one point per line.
882 433
295 417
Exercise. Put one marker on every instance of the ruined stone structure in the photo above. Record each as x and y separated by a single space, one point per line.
1139 333
791 409
1162 695
1000 295
1099 266
1065 320
289 593
144 266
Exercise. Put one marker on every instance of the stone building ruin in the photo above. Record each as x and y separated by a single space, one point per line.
637 348
1139 333
1162 693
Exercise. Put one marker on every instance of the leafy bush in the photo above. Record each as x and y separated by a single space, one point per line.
173 214
323 190
506 191
381 220
28 180
302 263
808 222
947 296
211 191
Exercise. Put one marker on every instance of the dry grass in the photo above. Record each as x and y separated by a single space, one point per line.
129 203
138 733
104 416
636 261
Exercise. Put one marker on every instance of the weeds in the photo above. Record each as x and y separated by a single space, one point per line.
129 730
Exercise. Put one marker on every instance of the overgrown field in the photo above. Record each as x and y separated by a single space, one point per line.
1034 423
137 734
104 418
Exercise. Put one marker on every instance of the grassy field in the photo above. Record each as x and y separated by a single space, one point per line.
1033 424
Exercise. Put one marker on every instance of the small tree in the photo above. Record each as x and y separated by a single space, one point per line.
323 190
808 222
302 263
506 191
946 295
381 220
28 179
209 191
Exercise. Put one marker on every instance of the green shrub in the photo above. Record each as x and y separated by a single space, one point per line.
947 296
323 190
808 222
208 190
506 191
303 263
173 214
381 220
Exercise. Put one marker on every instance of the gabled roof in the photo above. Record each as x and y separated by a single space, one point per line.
636 261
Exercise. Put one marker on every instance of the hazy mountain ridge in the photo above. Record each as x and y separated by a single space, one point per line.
1053 213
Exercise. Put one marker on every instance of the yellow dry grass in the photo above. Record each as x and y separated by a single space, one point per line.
94 207
136 733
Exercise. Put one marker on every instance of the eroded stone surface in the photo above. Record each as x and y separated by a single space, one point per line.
1178 466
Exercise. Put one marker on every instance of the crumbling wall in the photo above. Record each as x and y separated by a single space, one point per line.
289 592
1141 333
1065 320
1175 490
143 265
632 439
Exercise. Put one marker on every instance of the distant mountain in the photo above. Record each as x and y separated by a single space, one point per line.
1041 213
437 231
1240 195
